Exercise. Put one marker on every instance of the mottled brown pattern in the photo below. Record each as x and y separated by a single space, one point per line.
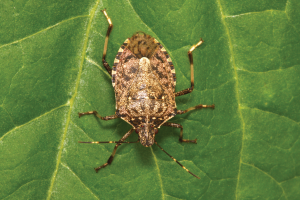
144 88
142 45
125 72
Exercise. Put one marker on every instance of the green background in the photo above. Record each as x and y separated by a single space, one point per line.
248 66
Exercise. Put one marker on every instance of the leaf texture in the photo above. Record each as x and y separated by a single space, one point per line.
249 67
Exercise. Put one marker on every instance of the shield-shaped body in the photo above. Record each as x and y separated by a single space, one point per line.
144 81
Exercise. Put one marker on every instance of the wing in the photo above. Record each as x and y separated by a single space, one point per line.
163 69
124 71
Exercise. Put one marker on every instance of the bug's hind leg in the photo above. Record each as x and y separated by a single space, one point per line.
99 116
189 90
110 26
110 159
181 132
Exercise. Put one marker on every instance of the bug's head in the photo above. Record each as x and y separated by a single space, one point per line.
146 134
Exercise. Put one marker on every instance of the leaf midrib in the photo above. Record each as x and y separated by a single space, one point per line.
61 145
239 108
232 61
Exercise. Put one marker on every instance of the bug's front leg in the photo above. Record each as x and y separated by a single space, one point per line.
99 116
181 132
110 26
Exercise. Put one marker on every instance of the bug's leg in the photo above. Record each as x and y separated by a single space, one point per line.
177 161
189 90
110 142
99 116
195 107
181 132
110 26
110 159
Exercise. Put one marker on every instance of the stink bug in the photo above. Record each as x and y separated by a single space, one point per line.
143 77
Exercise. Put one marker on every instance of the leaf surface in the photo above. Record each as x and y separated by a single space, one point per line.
51 69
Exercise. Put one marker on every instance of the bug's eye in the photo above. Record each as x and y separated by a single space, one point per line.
151 126
142 126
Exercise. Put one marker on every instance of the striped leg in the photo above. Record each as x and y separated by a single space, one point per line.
110 26
181 132
195 107
177 161
110 159
180 126
97 115
189 90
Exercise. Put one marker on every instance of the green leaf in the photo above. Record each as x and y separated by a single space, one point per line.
51 69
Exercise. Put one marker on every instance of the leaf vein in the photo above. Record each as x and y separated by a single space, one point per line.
232 61
159 175
98 66
63 164
249 13
43 30
61 145
46 113
23 186
271 70
250 165
266 111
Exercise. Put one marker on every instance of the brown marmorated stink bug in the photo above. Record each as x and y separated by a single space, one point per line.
143 77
